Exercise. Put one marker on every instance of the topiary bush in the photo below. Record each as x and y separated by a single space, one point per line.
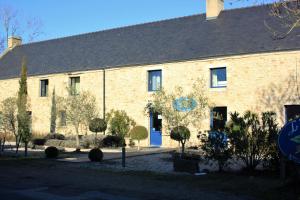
55 136
138 133
97 125
96 155
51 152
181 134
113 141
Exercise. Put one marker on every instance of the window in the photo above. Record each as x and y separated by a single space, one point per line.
44 88
292 112
62 118
218 77
218 118
154 81
75 85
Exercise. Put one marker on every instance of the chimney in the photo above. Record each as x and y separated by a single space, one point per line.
213 8
13 41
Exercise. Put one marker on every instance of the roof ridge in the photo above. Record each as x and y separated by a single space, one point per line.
113 29
136 25
248 7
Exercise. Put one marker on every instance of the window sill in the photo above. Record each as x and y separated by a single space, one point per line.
217 89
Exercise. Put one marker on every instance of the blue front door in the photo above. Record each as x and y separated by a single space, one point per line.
155 129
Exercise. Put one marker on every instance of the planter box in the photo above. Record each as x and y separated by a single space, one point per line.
185 165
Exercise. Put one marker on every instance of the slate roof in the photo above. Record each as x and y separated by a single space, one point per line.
237 31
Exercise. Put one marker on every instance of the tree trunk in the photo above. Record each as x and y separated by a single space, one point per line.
182 148
18 141
26 149
3 145
77 140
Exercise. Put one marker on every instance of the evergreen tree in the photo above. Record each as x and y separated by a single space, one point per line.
53 113
23 116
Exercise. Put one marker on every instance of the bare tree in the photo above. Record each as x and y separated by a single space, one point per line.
285 16
10 21
79 108
8 119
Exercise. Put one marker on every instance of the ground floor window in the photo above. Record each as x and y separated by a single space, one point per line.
292 112
218 118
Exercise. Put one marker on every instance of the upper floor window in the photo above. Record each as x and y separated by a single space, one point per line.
44 88
218 118
154 80
75 85
218 77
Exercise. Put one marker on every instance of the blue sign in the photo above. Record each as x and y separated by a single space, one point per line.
289 140
184 104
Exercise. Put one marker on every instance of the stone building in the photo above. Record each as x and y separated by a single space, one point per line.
233 50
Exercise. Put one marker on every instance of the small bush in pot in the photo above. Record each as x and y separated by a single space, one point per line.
181 134
185 163
51 152
96 155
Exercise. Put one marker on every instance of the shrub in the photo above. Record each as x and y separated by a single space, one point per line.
253 139
55 136
119 123
61 143
113 141
181 134
51 152
90 141
215 146
39 141
139 133
96 155
97 125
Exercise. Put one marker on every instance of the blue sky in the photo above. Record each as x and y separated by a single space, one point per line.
70 17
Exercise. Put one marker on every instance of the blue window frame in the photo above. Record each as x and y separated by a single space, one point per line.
218 77
154 80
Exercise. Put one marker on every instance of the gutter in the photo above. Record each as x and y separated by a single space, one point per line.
104 93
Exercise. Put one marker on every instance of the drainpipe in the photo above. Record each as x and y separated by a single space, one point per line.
104 95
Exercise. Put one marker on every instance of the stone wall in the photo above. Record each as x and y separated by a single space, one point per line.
259 82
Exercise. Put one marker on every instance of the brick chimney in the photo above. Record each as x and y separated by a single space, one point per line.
213 8
13 41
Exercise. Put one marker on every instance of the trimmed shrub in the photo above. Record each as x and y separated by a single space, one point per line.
96 155
113 141
139 133
55 136
181 134
39 141
51 152
97 125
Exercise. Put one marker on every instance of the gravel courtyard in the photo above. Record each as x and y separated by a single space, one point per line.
51 180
